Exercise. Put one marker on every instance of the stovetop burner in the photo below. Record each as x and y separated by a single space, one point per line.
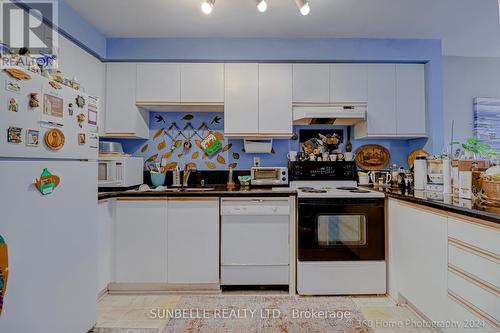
358 190
347 188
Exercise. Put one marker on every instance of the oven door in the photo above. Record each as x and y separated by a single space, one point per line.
341 229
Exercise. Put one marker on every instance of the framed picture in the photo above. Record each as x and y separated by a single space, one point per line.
81 138
53 106
32 137
14 134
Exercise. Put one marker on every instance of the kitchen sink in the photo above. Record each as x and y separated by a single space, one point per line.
197 189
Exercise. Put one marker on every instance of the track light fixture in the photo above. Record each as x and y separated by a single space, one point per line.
303 6
207 6
261 5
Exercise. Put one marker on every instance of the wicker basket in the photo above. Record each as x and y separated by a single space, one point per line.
491 189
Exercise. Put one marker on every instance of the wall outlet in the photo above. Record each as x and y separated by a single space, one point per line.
256 161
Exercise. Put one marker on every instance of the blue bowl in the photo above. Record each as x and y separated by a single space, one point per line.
157 179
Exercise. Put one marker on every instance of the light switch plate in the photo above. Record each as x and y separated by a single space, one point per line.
256 161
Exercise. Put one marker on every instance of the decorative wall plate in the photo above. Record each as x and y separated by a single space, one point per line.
54 139
413 155
372 157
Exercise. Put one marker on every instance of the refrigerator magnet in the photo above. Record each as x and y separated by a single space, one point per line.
81 119
14 134
47 182
80 101
12 86
52 106
81 139
70 109
34 102
4 271
32 137
13 105
92 117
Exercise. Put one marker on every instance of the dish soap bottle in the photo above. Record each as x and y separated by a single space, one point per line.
230 181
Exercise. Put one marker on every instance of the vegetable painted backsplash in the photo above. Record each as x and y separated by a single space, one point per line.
179 137
196 140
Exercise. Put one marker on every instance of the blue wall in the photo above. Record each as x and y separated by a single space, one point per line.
399 149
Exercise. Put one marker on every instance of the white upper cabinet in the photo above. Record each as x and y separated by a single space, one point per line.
258 100
311 83
241 105
381 115
202 83
275 99
158 82
123 118
410 99
348 83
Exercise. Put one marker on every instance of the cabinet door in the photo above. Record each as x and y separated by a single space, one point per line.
123 118
381 113
158 83
202 83
105 244
275 99
348 83
410 99
311 83
422 269
241 106
193 241
141 241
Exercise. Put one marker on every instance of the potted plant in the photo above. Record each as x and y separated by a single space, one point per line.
474 148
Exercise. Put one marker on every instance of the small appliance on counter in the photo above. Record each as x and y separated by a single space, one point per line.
269 176
120 171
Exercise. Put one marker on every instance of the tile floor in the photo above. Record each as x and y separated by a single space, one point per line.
131 313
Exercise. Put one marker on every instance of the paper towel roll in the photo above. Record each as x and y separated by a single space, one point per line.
447 176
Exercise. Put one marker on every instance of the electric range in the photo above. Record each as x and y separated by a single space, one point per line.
341 233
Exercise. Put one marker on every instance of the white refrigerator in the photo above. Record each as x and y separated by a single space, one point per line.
51 232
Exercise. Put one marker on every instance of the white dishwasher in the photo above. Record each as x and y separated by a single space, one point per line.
255 247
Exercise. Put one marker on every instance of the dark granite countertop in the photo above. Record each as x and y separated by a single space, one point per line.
446 202
218 191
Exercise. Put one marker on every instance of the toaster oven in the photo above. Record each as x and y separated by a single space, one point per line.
269 176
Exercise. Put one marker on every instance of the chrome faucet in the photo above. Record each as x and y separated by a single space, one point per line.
185 177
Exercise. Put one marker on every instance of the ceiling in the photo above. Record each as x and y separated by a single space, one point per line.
466 27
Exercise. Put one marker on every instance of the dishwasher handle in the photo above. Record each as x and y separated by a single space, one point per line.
255 207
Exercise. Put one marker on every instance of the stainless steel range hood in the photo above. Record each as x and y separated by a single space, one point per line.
329 114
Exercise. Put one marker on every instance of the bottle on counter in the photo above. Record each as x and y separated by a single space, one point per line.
230 180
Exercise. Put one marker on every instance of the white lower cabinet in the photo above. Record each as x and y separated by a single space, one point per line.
140 241
162 243
193 241
418 256
444 267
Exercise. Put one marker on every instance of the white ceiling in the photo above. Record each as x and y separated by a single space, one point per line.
466 27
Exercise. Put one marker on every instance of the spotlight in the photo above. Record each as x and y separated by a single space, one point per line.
207 6
261 5
303 6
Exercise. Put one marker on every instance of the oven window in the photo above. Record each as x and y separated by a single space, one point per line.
341 230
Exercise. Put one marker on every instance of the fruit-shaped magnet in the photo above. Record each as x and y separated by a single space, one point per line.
4 271
47 182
